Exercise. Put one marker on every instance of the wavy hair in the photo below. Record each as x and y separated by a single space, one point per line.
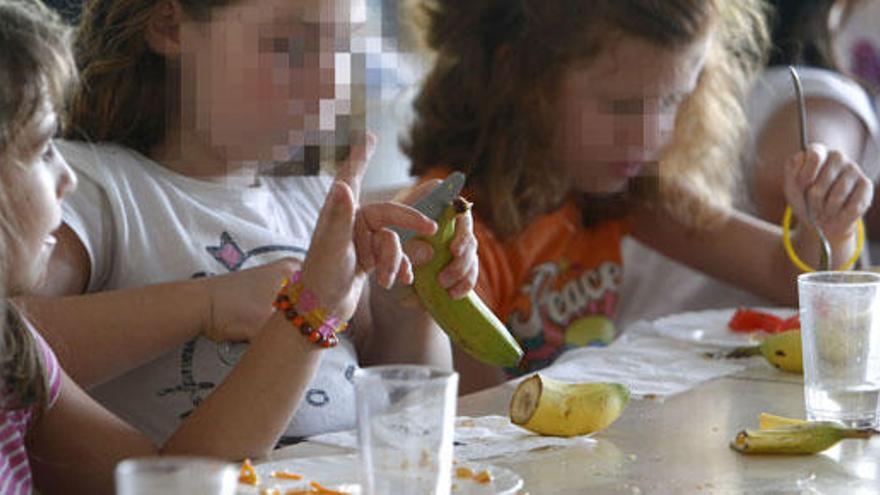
491 114
35 65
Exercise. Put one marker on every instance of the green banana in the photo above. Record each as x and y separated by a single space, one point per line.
801 439
468 322
782 350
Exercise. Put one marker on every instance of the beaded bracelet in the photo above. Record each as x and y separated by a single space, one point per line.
798 262
300 306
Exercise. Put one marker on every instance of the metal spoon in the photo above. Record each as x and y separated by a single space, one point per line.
825 255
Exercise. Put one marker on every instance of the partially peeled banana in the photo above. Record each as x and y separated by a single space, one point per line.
550 407
470 324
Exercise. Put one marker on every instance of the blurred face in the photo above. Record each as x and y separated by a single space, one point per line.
35 187
619 111
259 77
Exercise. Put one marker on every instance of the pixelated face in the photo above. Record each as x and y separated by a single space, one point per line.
34 185
259 78
619 111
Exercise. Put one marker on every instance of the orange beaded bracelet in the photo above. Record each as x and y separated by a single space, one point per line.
300 306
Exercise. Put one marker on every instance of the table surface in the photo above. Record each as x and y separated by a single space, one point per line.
680 446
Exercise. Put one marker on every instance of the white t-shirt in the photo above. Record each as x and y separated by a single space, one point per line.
655 285
143 224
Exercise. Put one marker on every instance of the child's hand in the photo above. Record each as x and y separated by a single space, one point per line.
837 191
334 269
460 275
238 301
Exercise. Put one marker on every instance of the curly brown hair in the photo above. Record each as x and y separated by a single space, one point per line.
35 65
491 114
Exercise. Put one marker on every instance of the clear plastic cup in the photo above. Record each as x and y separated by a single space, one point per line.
840 330
175 476
406 423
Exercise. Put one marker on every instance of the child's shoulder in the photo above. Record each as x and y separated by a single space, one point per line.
102 160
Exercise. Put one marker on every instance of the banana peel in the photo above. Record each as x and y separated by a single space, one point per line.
554 408
468 322
778 435
800 439
767 421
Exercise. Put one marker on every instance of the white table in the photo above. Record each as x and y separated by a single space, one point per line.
680 446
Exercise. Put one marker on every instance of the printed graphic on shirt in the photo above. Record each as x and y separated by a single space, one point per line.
564 305
231 258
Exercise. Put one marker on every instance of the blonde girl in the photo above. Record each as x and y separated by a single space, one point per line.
580 123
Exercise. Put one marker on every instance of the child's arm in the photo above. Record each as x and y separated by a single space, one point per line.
76 445
748 252
100 335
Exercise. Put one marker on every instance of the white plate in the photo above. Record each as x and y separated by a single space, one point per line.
709 327
340 472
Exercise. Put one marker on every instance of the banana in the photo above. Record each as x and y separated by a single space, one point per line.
801 439
782 350
550 407
468 322
767 421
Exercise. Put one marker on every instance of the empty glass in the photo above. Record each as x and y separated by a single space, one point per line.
840 330
406 423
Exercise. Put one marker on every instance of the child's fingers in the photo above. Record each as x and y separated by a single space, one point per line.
463 238
352 170
383 215
818 191
337 217
811 162
839 192
405 271
859 200
418 252
465 285
363 241
386 247
458 268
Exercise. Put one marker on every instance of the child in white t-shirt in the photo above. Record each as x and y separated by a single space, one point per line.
171 193
57 439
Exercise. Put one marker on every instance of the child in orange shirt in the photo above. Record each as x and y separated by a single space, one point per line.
581 122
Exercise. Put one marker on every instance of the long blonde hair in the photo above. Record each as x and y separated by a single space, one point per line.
35 65
492 115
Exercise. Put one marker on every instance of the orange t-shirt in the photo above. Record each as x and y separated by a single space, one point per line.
555 285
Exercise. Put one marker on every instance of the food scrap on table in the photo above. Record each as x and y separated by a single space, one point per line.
483 477
248 475
286 475
315 488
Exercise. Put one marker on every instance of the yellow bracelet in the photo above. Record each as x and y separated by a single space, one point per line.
798 262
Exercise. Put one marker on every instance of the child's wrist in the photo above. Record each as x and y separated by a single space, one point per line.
303 308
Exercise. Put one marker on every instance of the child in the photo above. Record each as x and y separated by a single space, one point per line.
49 425
580 123
149 224
839 114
